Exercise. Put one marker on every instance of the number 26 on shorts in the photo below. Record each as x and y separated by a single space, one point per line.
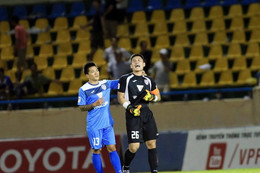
135 134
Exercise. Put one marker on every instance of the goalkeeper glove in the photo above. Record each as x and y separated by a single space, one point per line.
149 96
135 110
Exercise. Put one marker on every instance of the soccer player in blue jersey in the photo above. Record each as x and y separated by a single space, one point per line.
94 97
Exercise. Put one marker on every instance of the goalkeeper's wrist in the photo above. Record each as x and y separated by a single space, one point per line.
126 104
155 98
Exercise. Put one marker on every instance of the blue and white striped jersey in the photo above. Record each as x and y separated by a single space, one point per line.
99 117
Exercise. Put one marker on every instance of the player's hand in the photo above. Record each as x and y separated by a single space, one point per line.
135 110
100 101
149 96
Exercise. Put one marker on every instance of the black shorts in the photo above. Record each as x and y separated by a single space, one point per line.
141 128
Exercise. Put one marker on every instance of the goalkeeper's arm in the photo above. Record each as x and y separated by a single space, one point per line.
135 110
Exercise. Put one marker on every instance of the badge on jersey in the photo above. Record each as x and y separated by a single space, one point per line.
146 82
140 87
100 94
103 87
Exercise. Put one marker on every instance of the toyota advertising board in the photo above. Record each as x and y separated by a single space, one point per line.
56 155
222 149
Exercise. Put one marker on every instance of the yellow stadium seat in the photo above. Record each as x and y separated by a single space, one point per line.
5 40
218 24
55 89
197 13
78 60
64 49
4 26
162 42
41 62
254 22
215 51
11 74
189 80
84 47
207 79
176 15
253 9
196 53
245 78
60 62
125 43
255 63
26 73
160 29
158 16
60 23
141 30
220 37
235 10
198 26
221 64
155 56
29 52
255 36
74 86
82 35
3 65
107 42
237 23
252 50
215 12
7 53
174 83
234 51
183 66
239 37
49 73
182 40
67 74
62 36
226 78
42 23
46 50
24 23
43 38
179 27
202 61
98 57
201 39
138 17
79 21
177 53
123 30
239 64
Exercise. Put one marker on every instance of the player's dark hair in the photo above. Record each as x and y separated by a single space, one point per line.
87 66
15 19
136 54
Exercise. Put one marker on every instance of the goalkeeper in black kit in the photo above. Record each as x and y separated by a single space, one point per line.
135 91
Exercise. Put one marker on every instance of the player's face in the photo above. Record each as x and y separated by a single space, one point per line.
137 64
93 74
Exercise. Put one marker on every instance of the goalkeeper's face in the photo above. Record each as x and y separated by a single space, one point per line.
93 74
137 64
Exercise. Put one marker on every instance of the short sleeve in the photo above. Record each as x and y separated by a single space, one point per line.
153 87
81 97
122 84
113 84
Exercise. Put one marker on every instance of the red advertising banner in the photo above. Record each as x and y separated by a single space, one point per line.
56 155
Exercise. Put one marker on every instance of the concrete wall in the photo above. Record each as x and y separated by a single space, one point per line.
170 116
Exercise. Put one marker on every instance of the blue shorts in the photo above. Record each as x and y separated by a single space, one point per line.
99 138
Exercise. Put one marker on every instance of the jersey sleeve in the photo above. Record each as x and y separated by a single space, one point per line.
113 84
153 87
122 84
81 98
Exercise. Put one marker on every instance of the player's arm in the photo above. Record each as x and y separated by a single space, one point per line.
88 107
135 110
